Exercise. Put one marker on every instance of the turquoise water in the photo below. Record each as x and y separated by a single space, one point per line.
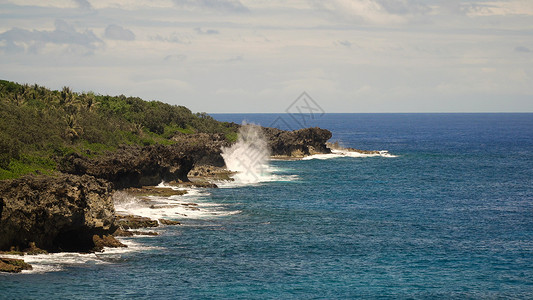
450 217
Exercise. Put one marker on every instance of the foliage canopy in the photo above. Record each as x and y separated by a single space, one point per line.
38 125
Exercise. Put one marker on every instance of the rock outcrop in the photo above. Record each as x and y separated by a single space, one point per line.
298 143
135 222
74 211
336 146
56 213
106 241
13 265
133 166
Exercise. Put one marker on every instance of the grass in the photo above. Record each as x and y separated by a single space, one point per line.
28 164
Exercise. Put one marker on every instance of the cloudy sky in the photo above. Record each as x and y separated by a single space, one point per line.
260 55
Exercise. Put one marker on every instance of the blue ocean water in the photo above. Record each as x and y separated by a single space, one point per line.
450 217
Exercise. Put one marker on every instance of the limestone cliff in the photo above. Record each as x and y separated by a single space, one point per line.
58 213
298 143
134 166
65 211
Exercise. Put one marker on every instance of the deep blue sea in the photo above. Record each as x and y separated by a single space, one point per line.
450 217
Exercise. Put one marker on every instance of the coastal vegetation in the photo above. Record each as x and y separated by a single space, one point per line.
39 126
63 155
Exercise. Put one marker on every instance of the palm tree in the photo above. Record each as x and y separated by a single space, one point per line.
137 128
69 100
89 101
72 130
19 99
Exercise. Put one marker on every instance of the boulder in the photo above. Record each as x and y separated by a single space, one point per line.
12 265
135 222
106 241
297 143
56 213
169 222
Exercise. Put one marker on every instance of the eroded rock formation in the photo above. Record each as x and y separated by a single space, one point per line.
298 143
133 166
57 213
73 210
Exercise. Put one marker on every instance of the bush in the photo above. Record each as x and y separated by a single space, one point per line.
37 124
9 150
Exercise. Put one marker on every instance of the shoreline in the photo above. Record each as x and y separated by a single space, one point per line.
136 174
202 177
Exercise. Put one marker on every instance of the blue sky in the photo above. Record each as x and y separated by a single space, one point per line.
258 56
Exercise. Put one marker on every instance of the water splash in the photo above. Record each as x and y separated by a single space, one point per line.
194 204
249 156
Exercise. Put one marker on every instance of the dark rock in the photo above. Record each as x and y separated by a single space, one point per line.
155 191
12 265
122 232
136 232
134 166
130 233
34 250
64 212
106 241
12 251
336 146
211 147
201 172
169 222
194 183
135 222
297 143
57 213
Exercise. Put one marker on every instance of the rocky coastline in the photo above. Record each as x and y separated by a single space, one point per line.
72 210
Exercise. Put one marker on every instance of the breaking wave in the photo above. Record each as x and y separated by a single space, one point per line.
249 156
195 204
347 153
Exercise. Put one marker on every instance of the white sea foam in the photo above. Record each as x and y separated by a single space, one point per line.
348 153
53 262
249 157
270 178
194 204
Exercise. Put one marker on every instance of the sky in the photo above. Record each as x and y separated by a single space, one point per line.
223 56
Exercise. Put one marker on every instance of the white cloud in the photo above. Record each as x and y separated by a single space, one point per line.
258 55
131 5
504 8
359 11
206 31
56 3
83 4
233 6
23 40
115 32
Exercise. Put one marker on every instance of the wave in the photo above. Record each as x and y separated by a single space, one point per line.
54 262
195 204
347 153
268 178
269 174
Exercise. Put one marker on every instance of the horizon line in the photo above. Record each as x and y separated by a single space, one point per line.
345 113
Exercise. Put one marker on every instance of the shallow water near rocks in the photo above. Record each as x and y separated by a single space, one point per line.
451 216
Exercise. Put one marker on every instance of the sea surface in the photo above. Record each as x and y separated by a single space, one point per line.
449 214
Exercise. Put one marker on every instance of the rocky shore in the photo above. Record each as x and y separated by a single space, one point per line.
336 146
73 210
56 213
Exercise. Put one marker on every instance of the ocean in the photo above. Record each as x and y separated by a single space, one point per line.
447 214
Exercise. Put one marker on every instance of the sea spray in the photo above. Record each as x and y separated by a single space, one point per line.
249 156
192 205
